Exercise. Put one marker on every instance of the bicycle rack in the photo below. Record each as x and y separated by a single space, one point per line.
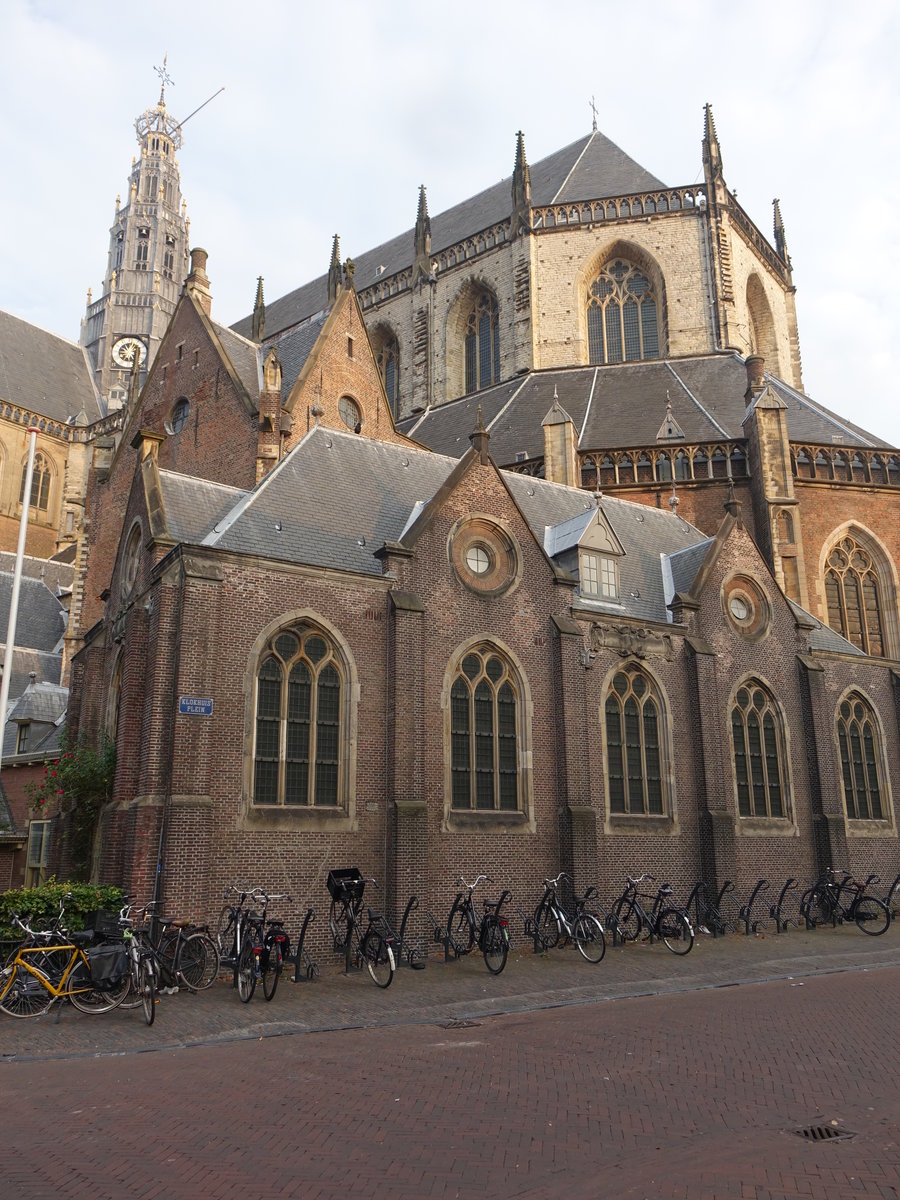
301 957
441 936
412 955
762 885
530 930
702 921
776 911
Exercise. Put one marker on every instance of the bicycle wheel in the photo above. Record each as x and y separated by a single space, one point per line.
23 994
871 915
90 1001
546 926
226 932
339 923
133 998
675 930
494 944
271 966
378 957
588 936
627 919
819 905
148 991
460 931
198 962
246 972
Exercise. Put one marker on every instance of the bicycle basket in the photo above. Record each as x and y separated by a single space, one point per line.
109 966
104 922
346 884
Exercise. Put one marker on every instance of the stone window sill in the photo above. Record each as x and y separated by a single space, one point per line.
296 817
641 824
464 820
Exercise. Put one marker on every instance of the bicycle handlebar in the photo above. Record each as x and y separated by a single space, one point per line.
641 879
555 882
472 886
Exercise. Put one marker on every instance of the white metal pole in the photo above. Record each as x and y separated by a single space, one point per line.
17 582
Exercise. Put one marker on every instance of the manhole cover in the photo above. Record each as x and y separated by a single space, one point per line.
824 1133
460 1024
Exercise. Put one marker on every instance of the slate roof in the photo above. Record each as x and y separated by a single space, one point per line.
57 575
821 636
45 373
684 565
589 169
194 505
621 406
293 349
244 357
332 502
46 667
40 622
43 706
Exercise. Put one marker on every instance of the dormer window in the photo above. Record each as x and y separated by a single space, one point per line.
599 575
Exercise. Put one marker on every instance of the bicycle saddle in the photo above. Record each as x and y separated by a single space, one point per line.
176 922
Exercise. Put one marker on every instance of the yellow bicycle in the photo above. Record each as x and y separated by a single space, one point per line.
54 966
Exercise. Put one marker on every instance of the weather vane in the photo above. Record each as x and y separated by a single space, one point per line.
594 111
164 76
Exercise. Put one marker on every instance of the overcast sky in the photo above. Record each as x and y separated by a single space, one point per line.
333 114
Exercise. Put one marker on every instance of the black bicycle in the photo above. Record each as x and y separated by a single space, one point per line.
373 945
490 933
670 923
553 920
262 947
834 900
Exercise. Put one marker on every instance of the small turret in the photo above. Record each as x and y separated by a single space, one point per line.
197 282
521 190
335 272
480 438
422 263
259 312
712 154
780 239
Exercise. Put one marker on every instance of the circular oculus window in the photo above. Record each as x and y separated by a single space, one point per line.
747 607
484 556
349 413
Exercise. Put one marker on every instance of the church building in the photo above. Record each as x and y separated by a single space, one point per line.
513 546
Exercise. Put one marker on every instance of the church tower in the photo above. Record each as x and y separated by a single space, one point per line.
148 260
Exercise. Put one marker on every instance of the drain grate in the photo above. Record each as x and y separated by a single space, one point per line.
460 1024
824 1133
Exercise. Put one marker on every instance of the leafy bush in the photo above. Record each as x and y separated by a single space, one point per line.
41 904
76 785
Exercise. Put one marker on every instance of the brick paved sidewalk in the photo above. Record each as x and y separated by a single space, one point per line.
442 992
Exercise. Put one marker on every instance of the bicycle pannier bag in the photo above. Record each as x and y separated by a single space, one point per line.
109 966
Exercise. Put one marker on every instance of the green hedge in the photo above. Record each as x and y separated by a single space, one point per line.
39 905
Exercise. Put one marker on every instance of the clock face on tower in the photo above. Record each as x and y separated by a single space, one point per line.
126 349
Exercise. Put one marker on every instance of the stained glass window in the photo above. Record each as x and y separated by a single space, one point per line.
622 322
484 734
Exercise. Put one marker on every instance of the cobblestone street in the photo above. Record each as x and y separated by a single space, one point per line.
695 1092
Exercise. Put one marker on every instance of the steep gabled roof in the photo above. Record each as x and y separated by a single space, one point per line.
621 406
41 618
45 373
591 168
192 506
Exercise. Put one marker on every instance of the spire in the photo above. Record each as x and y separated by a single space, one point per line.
480 438
521 190
259 312
422 264
335 273
780 240
712 155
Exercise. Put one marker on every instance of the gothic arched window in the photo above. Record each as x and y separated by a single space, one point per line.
482 344
860 752
388 359
622 321
757 745
299 727
40 484
484 733
634 745
853 595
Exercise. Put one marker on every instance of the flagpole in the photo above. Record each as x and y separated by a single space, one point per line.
17 582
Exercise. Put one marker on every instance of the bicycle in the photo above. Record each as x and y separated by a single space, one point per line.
53 965
184 954
825 902
552 920
374 945
143 967
491 933
671 924
263 946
